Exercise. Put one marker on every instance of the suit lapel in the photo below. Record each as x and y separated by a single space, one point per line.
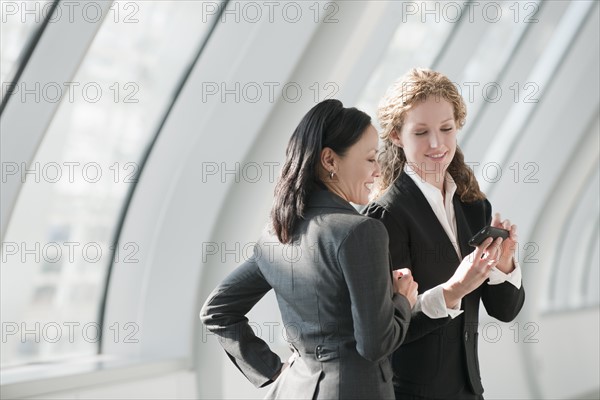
417 201
462 227
422 208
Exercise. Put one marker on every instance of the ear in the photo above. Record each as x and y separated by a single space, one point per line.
395 138
328 159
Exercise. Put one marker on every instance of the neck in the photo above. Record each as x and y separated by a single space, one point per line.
435 179
334 189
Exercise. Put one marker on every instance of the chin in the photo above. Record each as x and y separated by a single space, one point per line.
356 200
363 201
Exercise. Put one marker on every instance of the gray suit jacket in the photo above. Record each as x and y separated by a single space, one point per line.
334 290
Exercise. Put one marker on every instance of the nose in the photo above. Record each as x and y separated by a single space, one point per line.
434 139
377 171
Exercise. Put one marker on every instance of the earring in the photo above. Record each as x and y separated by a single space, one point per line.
331 174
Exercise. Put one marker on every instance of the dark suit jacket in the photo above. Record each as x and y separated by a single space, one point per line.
439 356
334 291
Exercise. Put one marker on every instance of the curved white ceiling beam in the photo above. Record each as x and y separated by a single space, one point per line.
570 268
543 74
576 359
172 211
28 111
516 89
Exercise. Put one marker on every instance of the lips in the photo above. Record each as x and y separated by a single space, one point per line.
437 156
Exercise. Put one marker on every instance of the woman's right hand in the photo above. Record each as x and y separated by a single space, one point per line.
405 285
472 271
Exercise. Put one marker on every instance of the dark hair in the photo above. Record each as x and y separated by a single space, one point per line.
328 124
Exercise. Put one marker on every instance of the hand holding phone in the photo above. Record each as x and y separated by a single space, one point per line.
488 231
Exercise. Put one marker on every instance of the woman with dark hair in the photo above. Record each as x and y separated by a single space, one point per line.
336 292
431 205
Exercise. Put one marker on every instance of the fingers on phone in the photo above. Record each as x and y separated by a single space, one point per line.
496 219
497 247
513 232
487 243
482 248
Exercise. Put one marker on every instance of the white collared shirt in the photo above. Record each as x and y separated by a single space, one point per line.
432 301
442 207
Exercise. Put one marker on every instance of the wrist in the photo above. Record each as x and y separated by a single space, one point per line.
506 266
451 295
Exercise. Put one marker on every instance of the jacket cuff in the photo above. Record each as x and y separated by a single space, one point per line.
514 277
433 304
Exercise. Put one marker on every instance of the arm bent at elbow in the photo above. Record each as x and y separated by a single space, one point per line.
380 317
503 301
224 313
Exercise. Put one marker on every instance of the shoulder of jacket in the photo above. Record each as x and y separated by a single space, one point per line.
363 229
392 201
349 221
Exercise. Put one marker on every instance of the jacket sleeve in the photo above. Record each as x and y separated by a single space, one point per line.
399 245
224 313
380 316
502 301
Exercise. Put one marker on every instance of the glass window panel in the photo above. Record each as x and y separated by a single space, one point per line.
19 21
416 43
494 50
63 225
570 287
591 284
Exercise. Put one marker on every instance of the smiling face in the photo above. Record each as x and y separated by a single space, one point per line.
428 137
355 171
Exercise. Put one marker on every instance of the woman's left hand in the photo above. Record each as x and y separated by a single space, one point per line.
509 245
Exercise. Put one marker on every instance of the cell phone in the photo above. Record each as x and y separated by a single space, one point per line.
488 231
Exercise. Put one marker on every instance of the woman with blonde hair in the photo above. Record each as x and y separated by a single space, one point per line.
431 205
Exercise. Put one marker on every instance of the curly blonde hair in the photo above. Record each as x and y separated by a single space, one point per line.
416 86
